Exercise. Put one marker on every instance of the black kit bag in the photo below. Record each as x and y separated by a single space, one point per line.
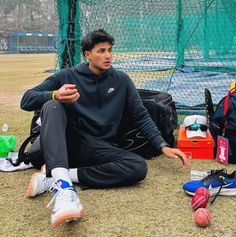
33 154
162 110
222 120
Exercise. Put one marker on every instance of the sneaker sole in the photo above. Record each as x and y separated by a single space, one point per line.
223 192
30 189
73 216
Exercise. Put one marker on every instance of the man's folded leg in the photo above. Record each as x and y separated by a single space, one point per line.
103 165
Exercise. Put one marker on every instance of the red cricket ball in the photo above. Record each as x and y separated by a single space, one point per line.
200 198
202 217
204 192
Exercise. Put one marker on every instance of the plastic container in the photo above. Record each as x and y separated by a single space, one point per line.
5 127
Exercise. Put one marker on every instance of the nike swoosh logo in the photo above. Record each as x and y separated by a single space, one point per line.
223 186
110 90
210 187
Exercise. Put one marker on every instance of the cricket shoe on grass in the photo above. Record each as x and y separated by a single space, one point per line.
39 183
67 206
218 182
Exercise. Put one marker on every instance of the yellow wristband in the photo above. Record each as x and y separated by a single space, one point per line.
53 95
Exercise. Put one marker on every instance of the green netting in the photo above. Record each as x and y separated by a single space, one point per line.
69 32
179 46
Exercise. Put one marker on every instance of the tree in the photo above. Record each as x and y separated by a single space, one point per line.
28 15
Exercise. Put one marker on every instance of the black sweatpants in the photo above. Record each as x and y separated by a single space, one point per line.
100 164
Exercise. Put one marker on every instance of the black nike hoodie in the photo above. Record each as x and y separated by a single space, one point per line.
103 99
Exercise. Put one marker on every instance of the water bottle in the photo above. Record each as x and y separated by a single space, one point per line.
5 127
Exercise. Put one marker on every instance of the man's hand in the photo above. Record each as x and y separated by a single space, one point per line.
176 154
67 94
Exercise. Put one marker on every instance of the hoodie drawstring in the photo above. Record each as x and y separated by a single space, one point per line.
98 94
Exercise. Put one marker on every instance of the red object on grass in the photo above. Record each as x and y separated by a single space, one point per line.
200 198
202 217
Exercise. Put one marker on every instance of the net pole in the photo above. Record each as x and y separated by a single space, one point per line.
205 42
218 27
77 35
179 40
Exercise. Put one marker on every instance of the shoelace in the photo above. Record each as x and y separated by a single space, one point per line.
221 185
215 174
66 195
47 181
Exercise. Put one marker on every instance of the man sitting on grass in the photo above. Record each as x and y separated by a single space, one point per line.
81 110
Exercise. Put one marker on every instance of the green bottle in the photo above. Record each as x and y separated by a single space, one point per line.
7 144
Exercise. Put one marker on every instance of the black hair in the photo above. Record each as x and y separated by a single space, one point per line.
95 37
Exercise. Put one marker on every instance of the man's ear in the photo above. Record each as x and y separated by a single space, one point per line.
87 54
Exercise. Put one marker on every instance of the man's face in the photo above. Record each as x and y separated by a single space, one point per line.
100 57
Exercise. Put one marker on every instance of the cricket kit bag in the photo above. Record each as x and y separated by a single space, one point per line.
222 120
162 110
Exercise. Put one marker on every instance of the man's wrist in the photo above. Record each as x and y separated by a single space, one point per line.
54 95
163 145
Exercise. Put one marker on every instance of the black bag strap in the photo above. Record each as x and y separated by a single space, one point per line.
22 155
209 105
225 118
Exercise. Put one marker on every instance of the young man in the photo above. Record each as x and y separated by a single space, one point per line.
81 110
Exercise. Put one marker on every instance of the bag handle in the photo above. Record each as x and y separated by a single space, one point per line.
22 155
209 106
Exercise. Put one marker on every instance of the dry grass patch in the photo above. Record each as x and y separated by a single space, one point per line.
156 207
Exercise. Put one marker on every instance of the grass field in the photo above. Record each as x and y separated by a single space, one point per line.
156 207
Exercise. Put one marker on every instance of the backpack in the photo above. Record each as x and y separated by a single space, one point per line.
222 120
162 110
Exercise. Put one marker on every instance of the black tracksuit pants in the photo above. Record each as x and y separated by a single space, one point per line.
100 164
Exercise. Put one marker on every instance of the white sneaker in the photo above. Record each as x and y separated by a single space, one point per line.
67 206
39 183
